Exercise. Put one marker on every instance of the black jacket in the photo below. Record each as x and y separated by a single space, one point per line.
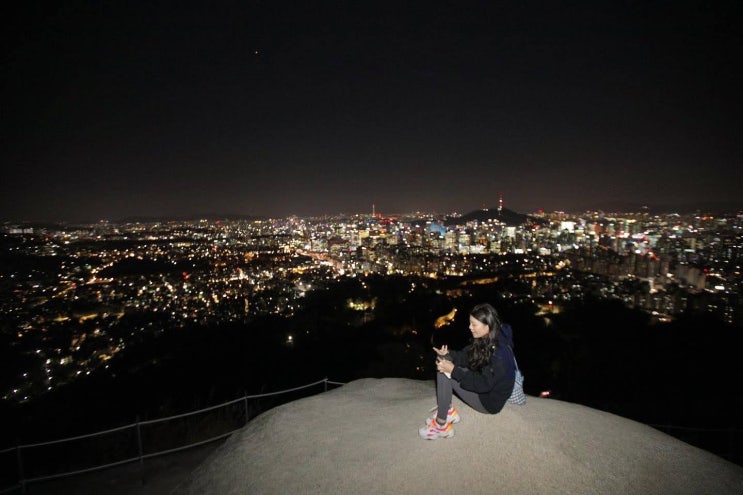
494 382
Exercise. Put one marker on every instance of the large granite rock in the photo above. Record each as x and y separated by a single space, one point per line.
363 438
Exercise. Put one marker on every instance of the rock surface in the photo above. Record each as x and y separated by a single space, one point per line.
363 438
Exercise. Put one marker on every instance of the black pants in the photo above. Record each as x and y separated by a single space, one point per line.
444 389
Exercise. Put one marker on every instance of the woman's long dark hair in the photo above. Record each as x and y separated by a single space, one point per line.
482 349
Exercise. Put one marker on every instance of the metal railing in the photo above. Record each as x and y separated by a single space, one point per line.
80 454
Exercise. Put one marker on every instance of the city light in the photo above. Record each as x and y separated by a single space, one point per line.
98 291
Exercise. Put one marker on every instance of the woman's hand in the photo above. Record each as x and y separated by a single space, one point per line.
443 351
444 365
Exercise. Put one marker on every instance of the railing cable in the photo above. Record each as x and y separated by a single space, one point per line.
23 481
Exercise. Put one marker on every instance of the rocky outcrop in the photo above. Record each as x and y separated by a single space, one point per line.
363 438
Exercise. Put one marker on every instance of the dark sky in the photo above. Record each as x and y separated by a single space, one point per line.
117 109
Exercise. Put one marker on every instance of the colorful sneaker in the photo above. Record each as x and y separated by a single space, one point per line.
433 430
452 415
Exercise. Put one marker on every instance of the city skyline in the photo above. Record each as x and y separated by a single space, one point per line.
106 316
705 209
77 297
239 108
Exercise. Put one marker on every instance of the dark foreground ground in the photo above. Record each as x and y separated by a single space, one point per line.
159 475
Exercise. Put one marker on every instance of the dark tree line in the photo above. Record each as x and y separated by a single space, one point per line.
598 353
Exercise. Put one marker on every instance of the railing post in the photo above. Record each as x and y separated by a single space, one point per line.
21 477
141 451
245 399
325 382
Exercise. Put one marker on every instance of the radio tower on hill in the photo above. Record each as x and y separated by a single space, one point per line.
500 203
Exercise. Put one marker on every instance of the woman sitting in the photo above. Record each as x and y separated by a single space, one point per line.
482 374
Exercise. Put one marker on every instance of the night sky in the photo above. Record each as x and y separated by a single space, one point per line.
119 109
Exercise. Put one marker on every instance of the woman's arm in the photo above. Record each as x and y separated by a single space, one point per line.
480 381
459 358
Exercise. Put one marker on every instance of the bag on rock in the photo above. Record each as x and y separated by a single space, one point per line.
517 396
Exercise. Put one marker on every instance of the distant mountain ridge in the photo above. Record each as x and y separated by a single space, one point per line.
503 215
188 218
509 217
81 223
682 208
